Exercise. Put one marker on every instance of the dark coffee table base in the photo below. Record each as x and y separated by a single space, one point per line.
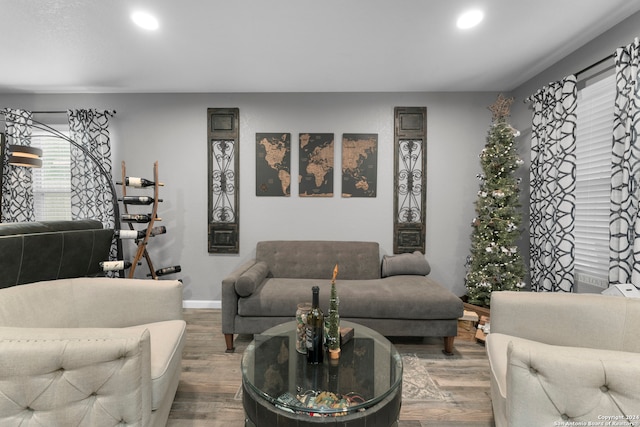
263 414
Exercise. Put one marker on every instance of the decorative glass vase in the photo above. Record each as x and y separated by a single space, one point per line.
301 326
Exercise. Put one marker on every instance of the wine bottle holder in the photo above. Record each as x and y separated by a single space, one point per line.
147 202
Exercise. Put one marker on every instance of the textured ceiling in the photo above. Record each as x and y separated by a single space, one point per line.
65 46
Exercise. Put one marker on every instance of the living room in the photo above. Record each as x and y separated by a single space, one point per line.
171 127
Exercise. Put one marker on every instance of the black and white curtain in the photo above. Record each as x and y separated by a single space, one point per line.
91 195
552 185
17 182
90 190
624 244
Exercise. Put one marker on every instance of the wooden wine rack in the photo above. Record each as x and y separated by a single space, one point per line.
142 243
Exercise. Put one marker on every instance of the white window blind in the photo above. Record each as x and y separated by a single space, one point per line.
594 132
52 182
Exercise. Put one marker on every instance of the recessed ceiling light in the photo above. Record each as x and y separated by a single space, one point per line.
470 19
145 20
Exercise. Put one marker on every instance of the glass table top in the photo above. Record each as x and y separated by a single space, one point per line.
369 369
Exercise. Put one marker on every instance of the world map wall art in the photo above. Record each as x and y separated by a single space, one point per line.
359 164
316 164
273 164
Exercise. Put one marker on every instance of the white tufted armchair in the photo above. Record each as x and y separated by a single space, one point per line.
561 359
90 352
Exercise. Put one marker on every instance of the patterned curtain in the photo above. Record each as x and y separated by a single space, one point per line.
552 186
624 245
17 189
90 191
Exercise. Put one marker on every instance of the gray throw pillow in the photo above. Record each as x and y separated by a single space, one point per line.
250 279
405 264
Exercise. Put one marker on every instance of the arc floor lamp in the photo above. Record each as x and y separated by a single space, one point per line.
26 156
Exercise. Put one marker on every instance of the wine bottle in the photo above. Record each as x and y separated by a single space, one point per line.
114 265
168 270
140 218
130 234
158 229
137 200
132 181
315 329
139 234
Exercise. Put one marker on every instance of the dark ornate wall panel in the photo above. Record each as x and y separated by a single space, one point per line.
2 150
223 138
410 179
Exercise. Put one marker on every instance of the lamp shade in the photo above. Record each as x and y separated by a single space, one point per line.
23 155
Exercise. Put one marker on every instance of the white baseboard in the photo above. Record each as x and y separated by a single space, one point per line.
201 304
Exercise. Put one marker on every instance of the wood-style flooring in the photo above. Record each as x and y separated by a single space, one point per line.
207 394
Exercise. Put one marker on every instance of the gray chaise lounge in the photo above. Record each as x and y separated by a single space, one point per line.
397 300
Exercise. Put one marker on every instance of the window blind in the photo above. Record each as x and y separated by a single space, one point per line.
594 132
52 182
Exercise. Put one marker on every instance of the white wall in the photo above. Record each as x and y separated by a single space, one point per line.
171 128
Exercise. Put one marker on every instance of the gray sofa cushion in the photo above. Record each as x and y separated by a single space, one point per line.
397 297
311 259
250 279
414 263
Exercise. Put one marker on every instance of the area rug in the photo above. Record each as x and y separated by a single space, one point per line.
417 384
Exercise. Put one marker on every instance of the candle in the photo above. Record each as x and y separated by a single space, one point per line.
335 273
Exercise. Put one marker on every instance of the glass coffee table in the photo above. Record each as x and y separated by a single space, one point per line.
281 389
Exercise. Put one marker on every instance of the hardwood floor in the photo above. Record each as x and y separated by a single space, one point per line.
207 394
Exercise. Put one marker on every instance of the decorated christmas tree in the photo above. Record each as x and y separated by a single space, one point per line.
495 263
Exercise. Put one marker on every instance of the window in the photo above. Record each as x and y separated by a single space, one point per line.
593 182
52 182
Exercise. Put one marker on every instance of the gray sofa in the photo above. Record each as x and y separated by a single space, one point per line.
564 359
394 297
83 351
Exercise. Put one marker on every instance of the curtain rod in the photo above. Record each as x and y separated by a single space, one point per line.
64 112
595 64
584 70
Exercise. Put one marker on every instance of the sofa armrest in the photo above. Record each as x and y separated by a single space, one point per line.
408 263
230 297
65 376
549 385
251 279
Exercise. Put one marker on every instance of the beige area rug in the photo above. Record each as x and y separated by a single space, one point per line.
417 384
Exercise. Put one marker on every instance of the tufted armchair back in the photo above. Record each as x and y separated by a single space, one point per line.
73 377
566 319
90 351
564 359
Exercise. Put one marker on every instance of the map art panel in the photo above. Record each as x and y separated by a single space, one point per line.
359 164
316 165
273 164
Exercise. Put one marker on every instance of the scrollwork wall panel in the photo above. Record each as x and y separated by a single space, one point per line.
223 180
410 179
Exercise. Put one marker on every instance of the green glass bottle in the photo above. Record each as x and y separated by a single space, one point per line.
315 329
